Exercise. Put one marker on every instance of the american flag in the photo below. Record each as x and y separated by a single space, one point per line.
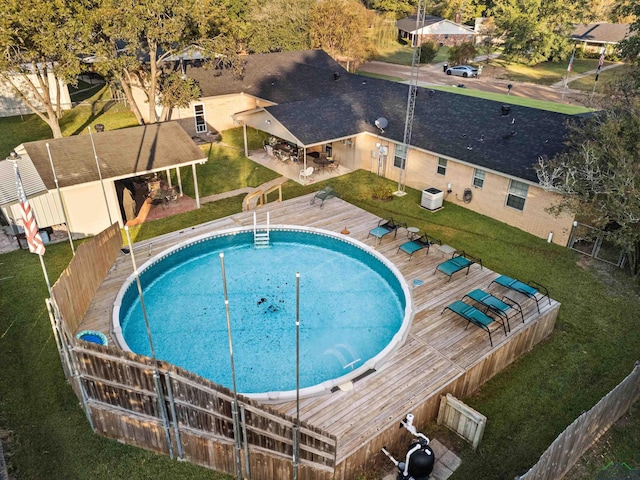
601 61
28 220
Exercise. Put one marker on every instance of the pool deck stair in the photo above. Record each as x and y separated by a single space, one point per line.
439 356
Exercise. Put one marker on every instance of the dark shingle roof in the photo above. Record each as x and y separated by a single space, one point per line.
124 152
279 77
466 128
601 32
408 24
316 108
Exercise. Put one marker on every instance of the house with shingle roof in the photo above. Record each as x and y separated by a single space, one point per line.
439 30
93 183
481 153
594 36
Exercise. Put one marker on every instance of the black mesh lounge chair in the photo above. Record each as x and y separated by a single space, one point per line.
528 289
385 227
502 307
325 194
458 261
475 316
424 241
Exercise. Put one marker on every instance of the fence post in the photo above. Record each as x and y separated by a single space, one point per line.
174 415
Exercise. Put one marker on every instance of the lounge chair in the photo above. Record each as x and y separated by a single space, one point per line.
529 289
475 316
496 305
458 261
385 227
325 194
424 241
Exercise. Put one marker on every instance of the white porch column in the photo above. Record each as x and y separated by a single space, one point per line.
195 184
169 177
246 145
179 180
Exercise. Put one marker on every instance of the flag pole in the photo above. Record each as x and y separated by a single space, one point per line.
104 192
29 222
64 211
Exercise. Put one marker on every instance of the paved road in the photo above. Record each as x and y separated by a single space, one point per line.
489 81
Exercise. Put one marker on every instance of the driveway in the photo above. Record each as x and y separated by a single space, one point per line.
489 82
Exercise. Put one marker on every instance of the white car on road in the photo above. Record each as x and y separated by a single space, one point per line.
463 71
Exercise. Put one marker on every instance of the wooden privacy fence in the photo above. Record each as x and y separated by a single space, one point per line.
567 449
169 410
462 419
161 407
74 290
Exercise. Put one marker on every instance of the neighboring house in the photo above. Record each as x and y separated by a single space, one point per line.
482 146
594 36
11 104
439 30
90 204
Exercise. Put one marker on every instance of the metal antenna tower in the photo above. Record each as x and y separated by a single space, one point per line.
411 99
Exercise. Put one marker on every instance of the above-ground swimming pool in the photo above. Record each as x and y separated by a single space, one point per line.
355 309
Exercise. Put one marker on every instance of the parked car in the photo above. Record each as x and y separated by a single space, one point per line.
463 71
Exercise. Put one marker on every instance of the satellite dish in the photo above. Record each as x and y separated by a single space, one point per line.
381 123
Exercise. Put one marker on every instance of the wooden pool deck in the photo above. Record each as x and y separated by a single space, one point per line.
439 356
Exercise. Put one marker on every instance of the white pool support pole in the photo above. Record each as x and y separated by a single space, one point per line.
234 404
156 373
64 210
296 428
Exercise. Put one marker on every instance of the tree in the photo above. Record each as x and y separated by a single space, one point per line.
428 51
176 92
340 27
461 54
487 31
599 175
537 30
400 8
40 53
135 41
276 25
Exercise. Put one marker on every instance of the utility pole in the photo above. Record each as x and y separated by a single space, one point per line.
411 99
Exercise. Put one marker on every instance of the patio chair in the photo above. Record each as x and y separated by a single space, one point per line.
501 307
305 174
472 315
530 289
325 194
385 227
412 246
458 261
333 166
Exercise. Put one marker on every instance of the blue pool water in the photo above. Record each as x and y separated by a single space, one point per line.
351 306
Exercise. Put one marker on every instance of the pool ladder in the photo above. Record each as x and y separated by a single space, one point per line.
260 235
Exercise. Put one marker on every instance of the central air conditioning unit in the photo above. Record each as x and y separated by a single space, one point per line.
432 198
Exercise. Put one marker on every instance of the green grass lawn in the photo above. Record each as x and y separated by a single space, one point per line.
606 77
402 54
546 73
227 168
594 346
514 100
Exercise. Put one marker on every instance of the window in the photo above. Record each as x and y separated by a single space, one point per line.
400 158
517 194
478 178
442 166
329 149
201 122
